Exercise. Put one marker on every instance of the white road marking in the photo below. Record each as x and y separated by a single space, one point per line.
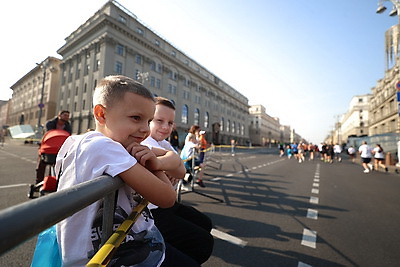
315 184
302 264
309 238
314 200
229 175
315 191
316 180
312 214
216 179
229 238
12 185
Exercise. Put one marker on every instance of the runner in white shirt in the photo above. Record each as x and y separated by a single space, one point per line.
366 155
379 157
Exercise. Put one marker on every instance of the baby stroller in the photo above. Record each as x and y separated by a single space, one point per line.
49 147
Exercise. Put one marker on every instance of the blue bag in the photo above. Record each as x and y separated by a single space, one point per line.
47 253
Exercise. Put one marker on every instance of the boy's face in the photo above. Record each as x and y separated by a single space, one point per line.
128 120
162 124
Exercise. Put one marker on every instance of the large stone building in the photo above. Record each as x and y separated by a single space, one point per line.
265 129
384 111
35 95
3 113
355 122
113 41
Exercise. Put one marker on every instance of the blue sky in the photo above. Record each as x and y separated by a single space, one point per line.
302 60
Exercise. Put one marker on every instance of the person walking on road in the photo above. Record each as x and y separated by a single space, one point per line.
366 155
352 153
337 150
379 158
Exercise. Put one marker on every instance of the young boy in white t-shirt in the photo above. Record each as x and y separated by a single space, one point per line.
122 110
184 227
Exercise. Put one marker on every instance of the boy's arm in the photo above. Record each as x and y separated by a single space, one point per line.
154 187
158 159
171 163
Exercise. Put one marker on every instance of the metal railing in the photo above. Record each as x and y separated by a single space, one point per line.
24 221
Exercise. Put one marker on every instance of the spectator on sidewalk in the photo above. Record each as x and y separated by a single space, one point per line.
61 122
173 139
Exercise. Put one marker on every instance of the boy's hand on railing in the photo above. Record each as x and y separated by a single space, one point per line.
173 180
144 156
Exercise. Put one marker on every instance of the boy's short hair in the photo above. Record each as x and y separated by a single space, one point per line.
159 100
114 87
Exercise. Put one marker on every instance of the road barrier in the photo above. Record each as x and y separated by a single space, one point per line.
24 221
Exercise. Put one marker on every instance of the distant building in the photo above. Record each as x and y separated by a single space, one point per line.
30 89
285 132
263 128
384 116
3 113
114 41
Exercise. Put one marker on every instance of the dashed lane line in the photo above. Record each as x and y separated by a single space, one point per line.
315 191
312 214
309 238
229 238
314 200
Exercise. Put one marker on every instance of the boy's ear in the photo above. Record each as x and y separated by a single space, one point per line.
99 113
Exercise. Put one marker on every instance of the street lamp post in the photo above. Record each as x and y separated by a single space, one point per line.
39 129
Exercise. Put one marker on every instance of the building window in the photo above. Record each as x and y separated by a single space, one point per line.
120 50
152 81
122 19
197 116
228 126
186 94
96 65
118 67
221 128
153 66
206 120
138 59
185 115
156 42
140 31
233 127
158 84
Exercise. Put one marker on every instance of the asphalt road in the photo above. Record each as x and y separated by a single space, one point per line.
276 212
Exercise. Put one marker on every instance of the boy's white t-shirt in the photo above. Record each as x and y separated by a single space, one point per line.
164 144
82 158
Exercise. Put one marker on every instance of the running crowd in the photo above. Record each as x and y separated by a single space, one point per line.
329 153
